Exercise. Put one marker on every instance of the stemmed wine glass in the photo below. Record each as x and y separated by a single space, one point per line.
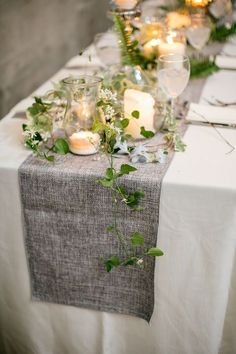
198 33
173 76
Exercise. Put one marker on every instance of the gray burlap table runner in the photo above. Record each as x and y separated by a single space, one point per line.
66 213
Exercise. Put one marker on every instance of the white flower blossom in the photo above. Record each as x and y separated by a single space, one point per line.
108 95
109 112
121 145
161 156
140 261
140 154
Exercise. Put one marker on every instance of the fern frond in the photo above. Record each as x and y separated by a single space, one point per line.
131 55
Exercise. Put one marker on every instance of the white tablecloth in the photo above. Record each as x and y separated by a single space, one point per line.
195 282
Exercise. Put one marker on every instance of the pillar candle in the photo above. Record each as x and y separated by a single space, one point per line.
171 47
142 102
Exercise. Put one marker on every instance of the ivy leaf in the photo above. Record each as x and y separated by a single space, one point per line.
146 133
106 183
125 169
130 261
109 173
110 228
137 239
100 103
133 200
125 123
61 146
50 158
111 262
155 252
135 114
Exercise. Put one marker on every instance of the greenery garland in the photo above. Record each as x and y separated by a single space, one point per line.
221 33
202 67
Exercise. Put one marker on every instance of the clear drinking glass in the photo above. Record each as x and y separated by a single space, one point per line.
173 76
198 33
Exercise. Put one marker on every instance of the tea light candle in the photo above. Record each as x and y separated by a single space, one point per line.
142 102
84 143
171 47
126 4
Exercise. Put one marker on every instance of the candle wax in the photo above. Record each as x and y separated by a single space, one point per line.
126 4
171 48
84 143
142 102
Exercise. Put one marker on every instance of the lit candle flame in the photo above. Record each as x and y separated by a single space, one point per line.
198 3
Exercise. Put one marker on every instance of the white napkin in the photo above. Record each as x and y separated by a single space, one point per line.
224 62
206 113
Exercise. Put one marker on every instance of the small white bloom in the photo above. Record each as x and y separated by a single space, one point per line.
140 261
45 136
108 95
109 112
122 146
161 156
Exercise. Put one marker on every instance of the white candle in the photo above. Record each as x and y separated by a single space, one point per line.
169 47
151 47
142 102
84 143
126 4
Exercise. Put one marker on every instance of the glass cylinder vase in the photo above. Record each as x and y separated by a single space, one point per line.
81 93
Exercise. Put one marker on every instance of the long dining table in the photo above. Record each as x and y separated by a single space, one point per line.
195 281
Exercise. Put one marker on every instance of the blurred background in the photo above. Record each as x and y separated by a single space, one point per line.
38 37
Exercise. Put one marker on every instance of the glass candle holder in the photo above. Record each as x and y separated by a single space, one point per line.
173 42
82 92
150 37
177 20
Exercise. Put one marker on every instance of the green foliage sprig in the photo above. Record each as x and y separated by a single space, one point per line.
202 67
221 33
38 131
130 52
133 246
112 131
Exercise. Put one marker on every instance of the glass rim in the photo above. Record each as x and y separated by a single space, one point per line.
169 58
90 80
